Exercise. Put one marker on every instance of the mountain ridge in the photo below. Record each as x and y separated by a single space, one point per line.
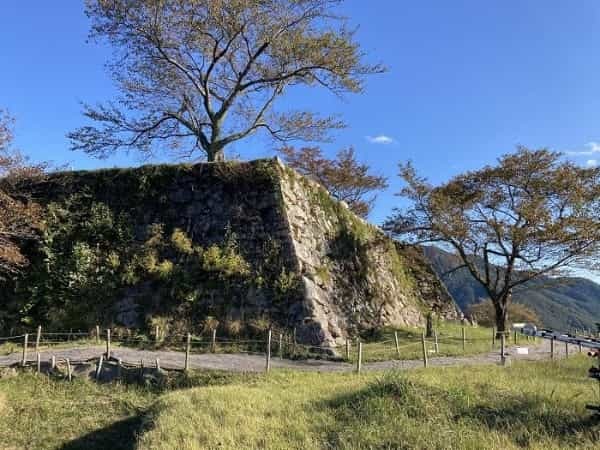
563 302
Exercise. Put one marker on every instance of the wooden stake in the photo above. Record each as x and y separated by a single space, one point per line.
268 362
493 337
280 345
53 362
39 362
579 347
108 343
425 362
359 359
515 337
213 346
464 338
294 342
98 334
119 365
552 347
567 350
25 343
187 352
397 344
157 364
69 373
156 336
347 349
99 367
38 337
437 347
502 347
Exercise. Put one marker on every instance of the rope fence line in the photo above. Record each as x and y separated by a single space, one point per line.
283 345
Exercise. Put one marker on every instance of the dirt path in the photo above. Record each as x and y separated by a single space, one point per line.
256 363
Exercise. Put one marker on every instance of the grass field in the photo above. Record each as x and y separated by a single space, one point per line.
528 405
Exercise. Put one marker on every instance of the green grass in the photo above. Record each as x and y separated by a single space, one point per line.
528 405
539 406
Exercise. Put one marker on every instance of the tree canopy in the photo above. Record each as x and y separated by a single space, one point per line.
531 214
344 177
20 217
197 75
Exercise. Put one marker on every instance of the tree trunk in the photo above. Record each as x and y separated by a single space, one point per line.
215 155
429 325
501 307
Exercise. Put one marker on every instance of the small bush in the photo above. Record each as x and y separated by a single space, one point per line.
232 328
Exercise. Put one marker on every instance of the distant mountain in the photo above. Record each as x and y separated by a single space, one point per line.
561 303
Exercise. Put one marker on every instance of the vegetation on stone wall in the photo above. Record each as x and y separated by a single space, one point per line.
89 260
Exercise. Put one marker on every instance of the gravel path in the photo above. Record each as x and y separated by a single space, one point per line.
256 363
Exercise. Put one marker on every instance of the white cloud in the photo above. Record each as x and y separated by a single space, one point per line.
591 162
380 139
592 148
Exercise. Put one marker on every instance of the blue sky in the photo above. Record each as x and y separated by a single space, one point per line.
468 80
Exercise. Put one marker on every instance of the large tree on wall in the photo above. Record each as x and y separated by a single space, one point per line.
529 215
198 75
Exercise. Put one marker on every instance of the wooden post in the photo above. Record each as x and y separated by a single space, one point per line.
579 347
38 337
437 347
25 343
552 347
359 359
53 362
108 343
119 364
268 362
141 372
502 348
515 341
567 350
99 367
294 342
39 362
347 349
464 337
425 363
397 344
213 345
493 338
280 345
69 373
157 364
97 334
187 352
156 336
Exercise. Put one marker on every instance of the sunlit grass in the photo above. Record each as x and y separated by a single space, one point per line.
539 406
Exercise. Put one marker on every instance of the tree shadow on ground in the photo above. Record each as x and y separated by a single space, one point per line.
523 419
120 435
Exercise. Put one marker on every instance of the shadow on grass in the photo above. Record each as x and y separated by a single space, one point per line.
121 435
523 419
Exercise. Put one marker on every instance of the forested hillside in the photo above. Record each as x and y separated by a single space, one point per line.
561 303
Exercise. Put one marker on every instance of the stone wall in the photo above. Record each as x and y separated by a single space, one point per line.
354 276
340 274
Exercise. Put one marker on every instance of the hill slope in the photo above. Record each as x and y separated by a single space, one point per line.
561 303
